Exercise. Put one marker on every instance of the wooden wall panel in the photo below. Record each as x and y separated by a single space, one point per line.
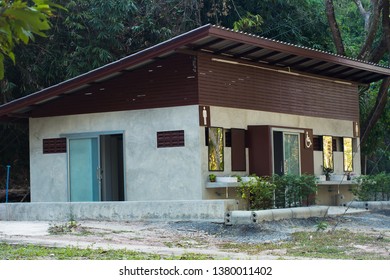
307 154
260 152
238 86
238 149
164 83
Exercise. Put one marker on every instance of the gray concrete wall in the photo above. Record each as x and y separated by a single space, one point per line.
150 173
207 210
240 118
165 173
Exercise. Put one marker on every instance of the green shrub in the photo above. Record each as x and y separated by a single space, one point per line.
373 187
258 192
294 190
279 191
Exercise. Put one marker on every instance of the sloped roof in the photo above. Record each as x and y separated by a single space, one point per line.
217 41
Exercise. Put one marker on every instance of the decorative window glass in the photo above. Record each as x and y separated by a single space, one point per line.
291 153
216 147
348 155
328 153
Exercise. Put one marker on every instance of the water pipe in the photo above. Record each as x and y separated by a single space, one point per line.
7 184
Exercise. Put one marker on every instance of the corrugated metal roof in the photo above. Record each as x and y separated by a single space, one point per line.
218 41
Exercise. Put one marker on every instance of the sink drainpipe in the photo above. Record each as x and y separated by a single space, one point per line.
7 184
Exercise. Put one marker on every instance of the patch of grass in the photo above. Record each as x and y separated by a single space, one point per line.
186 243
339 244
33 252
69 227
169 244
252 249
192 256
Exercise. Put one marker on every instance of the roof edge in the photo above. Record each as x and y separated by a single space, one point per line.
107 69
297 50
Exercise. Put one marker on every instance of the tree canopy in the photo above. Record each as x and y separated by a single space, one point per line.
90 33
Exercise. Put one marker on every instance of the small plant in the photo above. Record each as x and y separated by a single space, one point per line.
212 177
327 172
69 227
258 193
239 179
322 225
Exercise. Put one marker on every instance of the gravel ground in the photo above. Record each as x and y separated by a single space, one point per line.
177 238
281 230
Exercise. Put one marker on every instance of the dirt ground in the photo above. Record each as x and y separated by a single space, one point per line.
177 238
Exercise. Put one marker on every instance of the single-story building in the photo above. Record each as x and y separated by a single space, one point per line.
153 125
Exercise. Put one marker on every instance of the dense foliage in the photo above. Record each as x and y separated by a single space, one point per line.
279 191
373 187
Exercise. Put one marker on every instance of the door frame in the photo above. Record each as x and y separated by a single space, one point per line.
97 134
286 131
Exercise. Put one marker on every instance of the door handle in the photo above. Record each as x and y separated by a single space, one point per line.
99 173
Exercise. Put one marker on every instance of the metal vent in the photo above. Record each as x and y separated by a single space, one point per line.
54 145
167 139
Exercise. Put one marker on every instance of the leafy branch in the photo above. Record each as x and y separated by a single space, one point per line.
20 22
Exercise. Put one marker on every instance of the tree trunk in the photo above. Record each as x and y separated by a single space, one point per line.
378 52
371 27
376 111
338 41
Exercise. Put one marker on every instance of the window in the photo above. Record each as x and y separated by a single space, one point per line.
327 143
286 152
348 154
215 141
337 144
317 143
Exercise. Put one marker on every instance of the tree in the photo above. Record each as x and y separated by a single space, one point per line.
375 45
300 22
19 22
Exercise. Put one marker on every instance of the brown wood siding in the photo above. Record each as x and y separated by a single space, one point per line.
260 151
164 83
238 86
307 154
238 149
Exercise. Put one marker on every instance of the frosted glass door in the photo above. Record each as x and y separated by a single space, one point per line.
84 168
291 154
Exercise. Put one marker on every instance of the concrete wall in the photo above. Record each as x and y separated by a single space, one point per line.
167 173
239 118
150 173
205 210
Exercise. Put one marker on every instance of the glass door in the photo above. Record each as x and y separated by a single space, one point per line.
286 153
291 154
84 171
